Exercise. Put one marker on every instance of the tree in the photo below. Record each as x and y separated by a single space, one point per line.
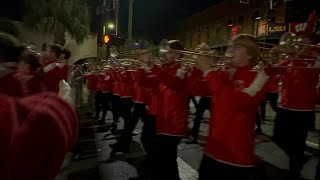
57 17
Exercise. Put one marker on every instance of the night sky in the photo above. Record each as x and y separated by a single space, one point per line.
154 16
151 17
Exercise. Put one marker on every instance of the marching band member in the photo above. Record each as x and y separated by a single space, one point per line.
126 104
198 87
114 73
238 92
35 131
171 112
30 74
52 73
296 107
104 95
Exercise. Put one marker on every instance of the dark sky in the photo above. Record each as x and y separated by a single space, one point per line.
148 15
156 15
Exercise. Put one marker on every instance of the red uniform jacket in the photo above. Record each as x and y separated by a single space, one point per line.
32 83
92 80
36 133
172 101
52 77
126 84
64 70
298 90
105 82
231 137
115 76
141 94
197 84
151 83
9 84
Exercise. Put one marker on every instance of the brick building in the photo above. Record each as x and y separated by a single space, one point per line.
217 24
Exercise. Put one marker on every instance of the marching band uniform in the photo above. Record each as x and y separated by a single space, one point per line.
171 118
104 94
64 70
115 97
126 104
296 109
232 155
47 132
52 77
198 87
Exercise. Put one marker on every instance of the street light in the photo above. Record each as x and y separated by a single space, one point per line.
111 26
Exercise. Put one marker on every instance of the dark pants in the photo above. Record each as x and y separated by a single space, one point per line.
203 105
273 99
139 111
102 103
258 120
115 103
211 169
125 106
166 158
148 138
290 133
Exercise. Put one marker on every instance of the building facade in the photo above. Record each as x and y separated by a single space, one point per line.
219 23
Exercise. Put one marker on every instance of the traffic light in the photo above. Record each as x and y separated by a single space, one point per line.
106 38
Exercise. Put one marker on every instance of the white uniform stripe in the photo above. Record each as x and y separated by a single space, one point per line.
257 84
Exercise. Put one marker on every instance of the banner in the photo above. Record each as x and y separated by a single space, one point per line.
308 27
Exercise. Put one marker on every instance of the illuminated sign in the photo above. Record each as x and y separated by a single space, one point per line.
277 28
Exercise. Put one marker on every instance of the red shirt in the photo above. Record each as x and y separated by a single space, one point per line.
141 95
52 77
172 105
64 70
36 133
115 76
231 136
126 84
197 84
151 83
298 90
105 82
9 84
92 80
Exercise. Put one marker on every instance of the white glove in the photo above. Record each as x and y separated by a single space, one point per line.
65 92
181 73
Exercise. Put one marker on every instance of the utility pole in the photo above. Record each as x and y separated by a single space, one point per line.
117 6
130 21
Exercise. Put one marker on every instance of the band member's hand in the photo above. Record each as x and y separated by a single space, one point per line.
65 92
203 65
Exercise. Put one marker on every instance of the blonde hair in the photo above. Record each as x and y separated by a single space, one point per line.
250 43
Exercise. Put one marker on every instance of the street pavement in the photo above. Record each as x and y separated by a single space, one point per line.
96 163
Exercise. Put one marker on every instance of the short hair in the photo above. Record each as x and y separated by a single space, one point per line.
56 49
67 53
10 48
250 43
32 59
